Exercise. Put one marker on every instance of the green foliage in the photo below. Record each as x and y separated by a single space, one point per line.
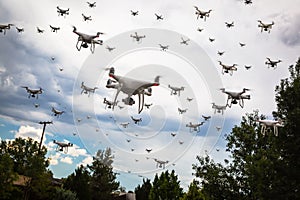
166 187
261 167
142 192
62 194
103 179
194 192
79 183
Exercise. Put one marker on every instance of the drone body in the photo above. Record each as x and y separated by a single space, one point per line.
86 39
62 12
137 38
265 27
87 90
236 97
125 124
86 18
56 112
160 163
267 124
163 48
134 13
148 105
62 146
131 87
218 108
4 27
33 92
20 30
109 104
181 111
40 30
194 127
110 48
202 14
184 41
54 29
228 68
136 120
272 63
91 5
175 90
159 17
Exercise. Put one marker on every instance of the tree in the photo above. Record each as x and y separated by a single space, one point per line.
142 192
194 192
62 194
165 187
261 167
79 183
103 179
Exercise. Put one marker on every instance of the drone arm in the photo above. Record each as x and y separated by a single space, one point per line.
118 91
141 102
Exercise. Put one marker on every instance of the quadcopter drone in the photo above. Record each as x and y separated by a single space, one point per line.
218 128
175 90
91 5
206 117
39 30
125 125
136 120
20 30
200 29
54 29
159 17
57 113
242 44
110 48
181 111
194 127
173 134
148 105
265 27
202 14
218 108
267 124
189 99
134 13
211 39
184 41
247 67
220 53
33 92
272 63
248 2
236 97
62 146
227 68
180 142
163 48
3 28
110 104
137 38
86 39
86 18
131 87
160 163
148 150
62 12
87 90
229 25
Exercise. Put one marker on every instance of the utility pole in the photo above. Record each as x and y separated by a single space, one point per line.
44 127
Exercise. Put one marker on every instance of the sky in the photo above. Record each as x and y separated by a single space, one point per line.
26 60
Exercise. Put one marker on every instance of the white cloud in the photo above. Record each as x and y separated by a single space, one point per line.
86 161
67 160
29 131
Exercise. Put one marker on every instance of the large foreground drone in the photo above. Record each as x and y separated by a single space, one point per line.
86 39
236 97
62 146
33 92
131 87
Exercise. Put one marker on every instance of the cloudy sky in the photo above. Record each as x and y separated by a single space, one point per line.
25 60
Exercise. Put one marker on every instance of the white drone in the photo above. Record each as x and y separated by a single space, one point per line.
264 26
131 87
62 12
110 104
160 163
137 38
86 89
86 39
56 112
181 111
202 14
228 68
4 27
194 127
268 124
235 97
125 124
272 63
33 92
62 146
175 90
218 108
